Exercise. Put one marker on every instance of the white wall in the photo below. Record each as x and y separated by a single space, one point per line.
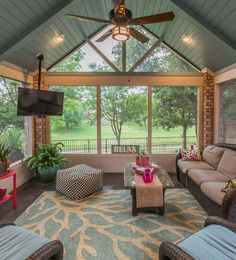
113 163
22 175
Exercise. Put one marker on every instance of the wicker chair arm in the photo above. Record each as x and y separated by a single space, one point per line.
52 250
229 206
7 224
220 221
170 251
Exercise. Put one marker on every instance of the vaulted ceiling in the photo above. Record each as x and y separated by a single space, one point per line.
28 27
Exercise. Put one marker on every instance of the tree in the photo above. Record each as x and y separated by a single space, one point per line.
138 106
72 114
115 108
72 63
8 108
175 107
228 94
170 113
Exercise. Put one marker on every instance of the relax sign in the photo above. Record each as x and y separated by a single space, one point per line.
125 148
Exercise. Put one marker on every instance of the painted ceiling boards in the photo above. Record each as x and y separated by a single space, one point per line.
28 27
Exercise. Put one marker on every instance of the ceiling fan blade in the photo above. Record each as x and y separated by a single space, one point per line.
87 19
138 36
104 36
156 18
116 4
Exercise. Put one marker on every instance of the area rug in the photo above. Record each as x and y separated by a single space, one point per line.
102 226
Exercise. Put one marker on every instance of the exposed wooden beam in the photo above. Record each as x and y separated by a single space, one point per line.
124 56
99 119
149 145
146 54
174 50
225 76
200 21
100 53
15 74
24 37
80 45
122 79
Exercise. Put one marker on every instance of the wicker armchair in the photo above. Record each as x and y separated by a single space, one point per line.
52 250
169 251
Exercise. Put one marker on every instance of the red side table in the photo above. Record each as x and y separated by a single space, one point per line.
10 173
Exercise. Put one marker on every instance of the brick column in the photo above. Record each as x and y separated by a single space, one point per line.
207 107
40 123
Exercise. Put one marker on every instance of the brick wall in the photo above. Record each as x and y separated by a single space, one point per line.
40 124
207 109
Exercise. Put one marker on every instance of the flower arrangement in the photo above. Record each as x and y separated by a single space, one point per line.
142 159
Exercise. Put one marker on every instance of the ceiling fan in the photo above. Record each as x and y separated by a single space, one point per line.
123 20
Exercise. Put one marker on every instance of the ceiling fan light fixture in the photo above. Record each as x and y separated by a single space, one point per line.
120 33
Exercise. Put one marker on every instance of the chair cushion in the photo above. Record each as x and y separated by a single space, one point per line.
186 165
17 243
200 176
213 242
227 164
213 191
212 155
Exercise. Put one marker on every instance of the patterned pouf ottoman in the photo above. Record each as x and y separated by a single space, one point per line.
79 181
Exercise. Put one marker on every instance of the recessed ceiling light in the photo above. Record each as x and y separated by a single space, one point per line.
59 38
186 38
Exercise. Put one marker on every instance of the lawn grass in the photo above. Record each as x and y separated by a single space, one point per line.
129 131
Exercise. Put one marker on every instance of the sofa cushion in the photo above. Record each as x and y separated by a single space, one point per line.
200 176
212 242
186 165
17 243
213 191
227 164
212 155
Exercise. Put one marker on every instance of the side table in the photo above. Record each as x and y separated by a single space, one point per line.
8 174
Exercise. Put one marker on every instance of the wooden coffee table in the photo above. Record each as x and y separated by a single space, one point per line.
129 181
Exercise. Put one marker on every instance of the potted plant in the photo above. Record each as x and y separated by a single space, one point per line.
47 161
142 159
5 151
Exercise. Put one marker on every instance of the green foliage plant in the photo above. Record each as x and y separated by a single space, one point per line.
5 150
48 155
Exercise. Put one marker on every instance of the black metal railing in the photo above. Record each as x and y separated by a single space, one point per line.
159 144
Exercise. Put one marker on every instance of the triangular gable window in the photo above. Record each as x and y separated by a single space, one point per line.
88 59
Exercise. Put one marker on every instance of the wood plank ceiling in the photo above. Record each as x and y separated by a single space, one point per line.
28 27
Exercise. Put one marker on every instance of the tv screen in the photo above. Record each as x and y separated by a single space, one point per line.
39 102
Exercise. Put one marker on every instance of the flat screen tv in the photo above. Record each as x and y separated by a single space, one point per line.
39 102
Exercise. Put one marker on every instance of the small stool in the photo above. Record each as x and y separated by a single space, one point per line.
79 181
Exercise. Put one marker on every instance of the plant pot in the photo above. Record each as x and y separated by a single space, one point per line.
48 174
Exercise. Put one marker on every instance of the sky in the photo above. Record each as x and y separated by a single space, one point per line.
92 56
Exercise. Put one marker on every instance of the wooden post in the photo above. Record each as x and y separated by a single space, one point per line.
99 135
150 119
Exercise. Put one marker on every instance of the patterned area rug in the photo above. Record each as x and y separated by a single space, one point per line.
102 227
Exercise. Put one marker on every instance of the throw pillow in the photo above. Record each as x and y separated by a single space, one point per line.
191 154
229 186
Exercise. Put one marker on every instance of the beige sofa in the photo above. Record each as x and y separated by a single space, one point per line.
205 179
